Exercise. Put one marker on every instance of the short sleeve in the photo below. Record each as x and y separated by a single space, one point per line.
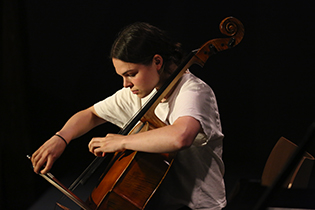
196 99
118 108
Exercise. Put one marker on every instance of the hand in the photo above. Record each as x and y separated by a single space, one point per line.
47 154
110 143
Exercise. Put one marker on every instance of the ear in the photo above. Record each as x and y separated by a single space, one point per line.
158 61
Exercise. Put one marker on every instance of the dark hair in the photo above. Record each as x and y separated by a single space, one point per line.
139 42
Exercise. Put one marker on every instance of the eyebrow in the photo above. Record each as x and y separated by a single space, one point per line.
127 72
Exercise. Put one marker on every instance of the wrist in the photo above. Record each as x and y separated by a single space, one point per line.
62 138
124 143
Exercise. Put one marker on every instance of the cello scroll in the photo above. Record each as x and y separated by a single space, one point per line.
230 26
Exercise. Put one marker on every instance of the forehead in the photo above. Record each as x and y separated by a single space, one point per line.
121 67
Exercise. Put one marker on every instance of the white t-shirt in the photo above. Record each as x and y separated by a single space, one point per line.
196 176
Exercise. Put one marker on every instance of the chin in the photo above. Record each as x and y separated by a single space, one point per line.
142 95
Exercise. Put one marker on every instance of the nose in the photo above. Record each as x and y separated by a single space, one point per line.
127 83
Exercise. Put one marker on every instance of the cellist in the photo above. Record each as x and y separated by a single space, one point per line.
144 56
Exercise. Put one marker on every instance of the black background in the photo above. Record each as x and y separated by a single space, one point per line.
55 63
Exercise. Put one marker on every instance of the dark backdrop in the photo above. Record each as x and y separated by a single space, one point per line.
55 63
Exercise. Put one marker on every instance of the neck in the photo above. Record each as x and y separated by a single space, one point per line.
170 92
164 75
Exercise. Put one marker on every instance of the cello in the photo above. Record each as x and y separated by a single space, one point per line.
131 178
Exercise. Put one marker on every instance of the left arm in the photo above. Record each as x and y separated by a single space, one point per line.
170 138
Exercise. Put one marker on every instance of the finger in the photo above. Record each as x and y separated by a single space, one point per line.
34 160
111 135
34 157
99 153
91 145
38 165
48 166
94 148
94 143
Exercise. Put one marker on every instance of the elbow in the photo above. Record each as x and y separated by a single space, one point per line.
183 142
185 131
95 118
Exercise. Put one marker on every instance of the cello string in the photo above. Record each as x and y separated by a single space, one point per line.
98 160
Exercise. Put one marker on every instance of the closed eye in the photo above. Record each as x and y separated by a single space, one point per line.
130 73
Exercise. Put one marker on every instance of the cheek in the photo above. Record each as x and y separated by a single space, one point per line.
152 78
146 81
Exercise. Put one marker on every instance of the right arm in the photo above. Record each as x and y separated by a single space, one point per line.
76 126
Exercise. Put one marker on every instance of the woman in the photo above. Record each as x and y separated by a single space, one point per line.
145 57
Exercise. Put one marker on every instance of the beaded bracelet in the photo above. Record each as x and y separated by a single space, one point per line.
62 138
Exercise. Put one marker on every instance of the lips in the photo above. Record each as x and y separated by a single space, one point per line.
135 91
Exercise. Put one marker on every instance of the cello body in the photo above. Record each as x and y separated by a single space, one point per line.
131 180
